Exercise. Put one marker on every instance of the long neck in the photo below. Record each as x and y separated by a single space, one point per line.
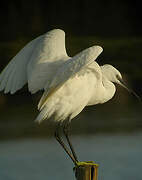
109 89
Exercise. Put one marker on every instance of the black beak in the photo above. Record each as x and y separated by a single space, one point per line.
123 84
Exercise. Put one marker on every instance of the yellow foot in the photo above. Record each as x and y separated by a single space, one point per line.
86 163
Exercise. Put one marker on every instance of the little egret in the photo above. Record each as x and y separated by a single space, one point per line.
69 83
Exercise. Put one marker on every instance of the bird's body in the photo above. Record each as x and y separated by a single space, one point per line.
84 89
69 83
72 97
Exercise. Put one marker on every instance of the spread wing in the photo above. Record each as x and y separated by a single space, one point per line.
14 76
68 70
35 63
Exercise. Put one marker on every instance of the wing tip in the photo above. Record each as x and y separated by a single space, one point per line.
37 120
98 48
45 96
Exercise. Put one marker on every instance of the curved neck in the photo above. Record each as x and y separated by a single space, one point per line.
109 89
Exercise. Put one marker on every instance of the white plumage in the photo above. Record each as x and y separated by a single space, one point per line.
70 84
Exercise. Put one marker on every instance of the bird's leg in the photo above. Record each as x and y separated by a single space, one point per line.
66 132
58 138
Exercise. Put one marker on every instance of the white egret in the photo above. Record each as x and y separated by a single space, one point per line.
69 83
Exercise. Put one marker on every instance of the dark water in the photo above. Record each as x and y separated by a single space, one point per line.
119 157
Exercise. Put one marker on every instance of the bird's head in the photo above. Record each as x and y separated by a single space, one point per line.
113 75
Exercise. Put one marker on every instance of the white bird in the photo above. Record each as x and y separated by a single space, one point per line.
69 83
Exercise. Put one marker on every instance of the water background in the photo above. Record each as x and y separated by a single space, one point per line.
119 157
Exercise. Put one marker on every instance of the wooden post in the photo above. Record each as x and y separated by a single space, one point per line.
86 171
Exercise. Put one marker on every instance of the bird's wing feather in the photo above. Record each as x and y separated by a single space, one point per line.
35 63
47 57
68 70
14 76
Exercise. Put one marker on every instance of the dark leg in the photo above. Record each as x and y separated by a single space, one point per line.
58 138
66 132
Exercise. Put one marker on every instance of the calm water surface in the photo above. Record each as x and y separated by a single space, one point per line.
119 157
